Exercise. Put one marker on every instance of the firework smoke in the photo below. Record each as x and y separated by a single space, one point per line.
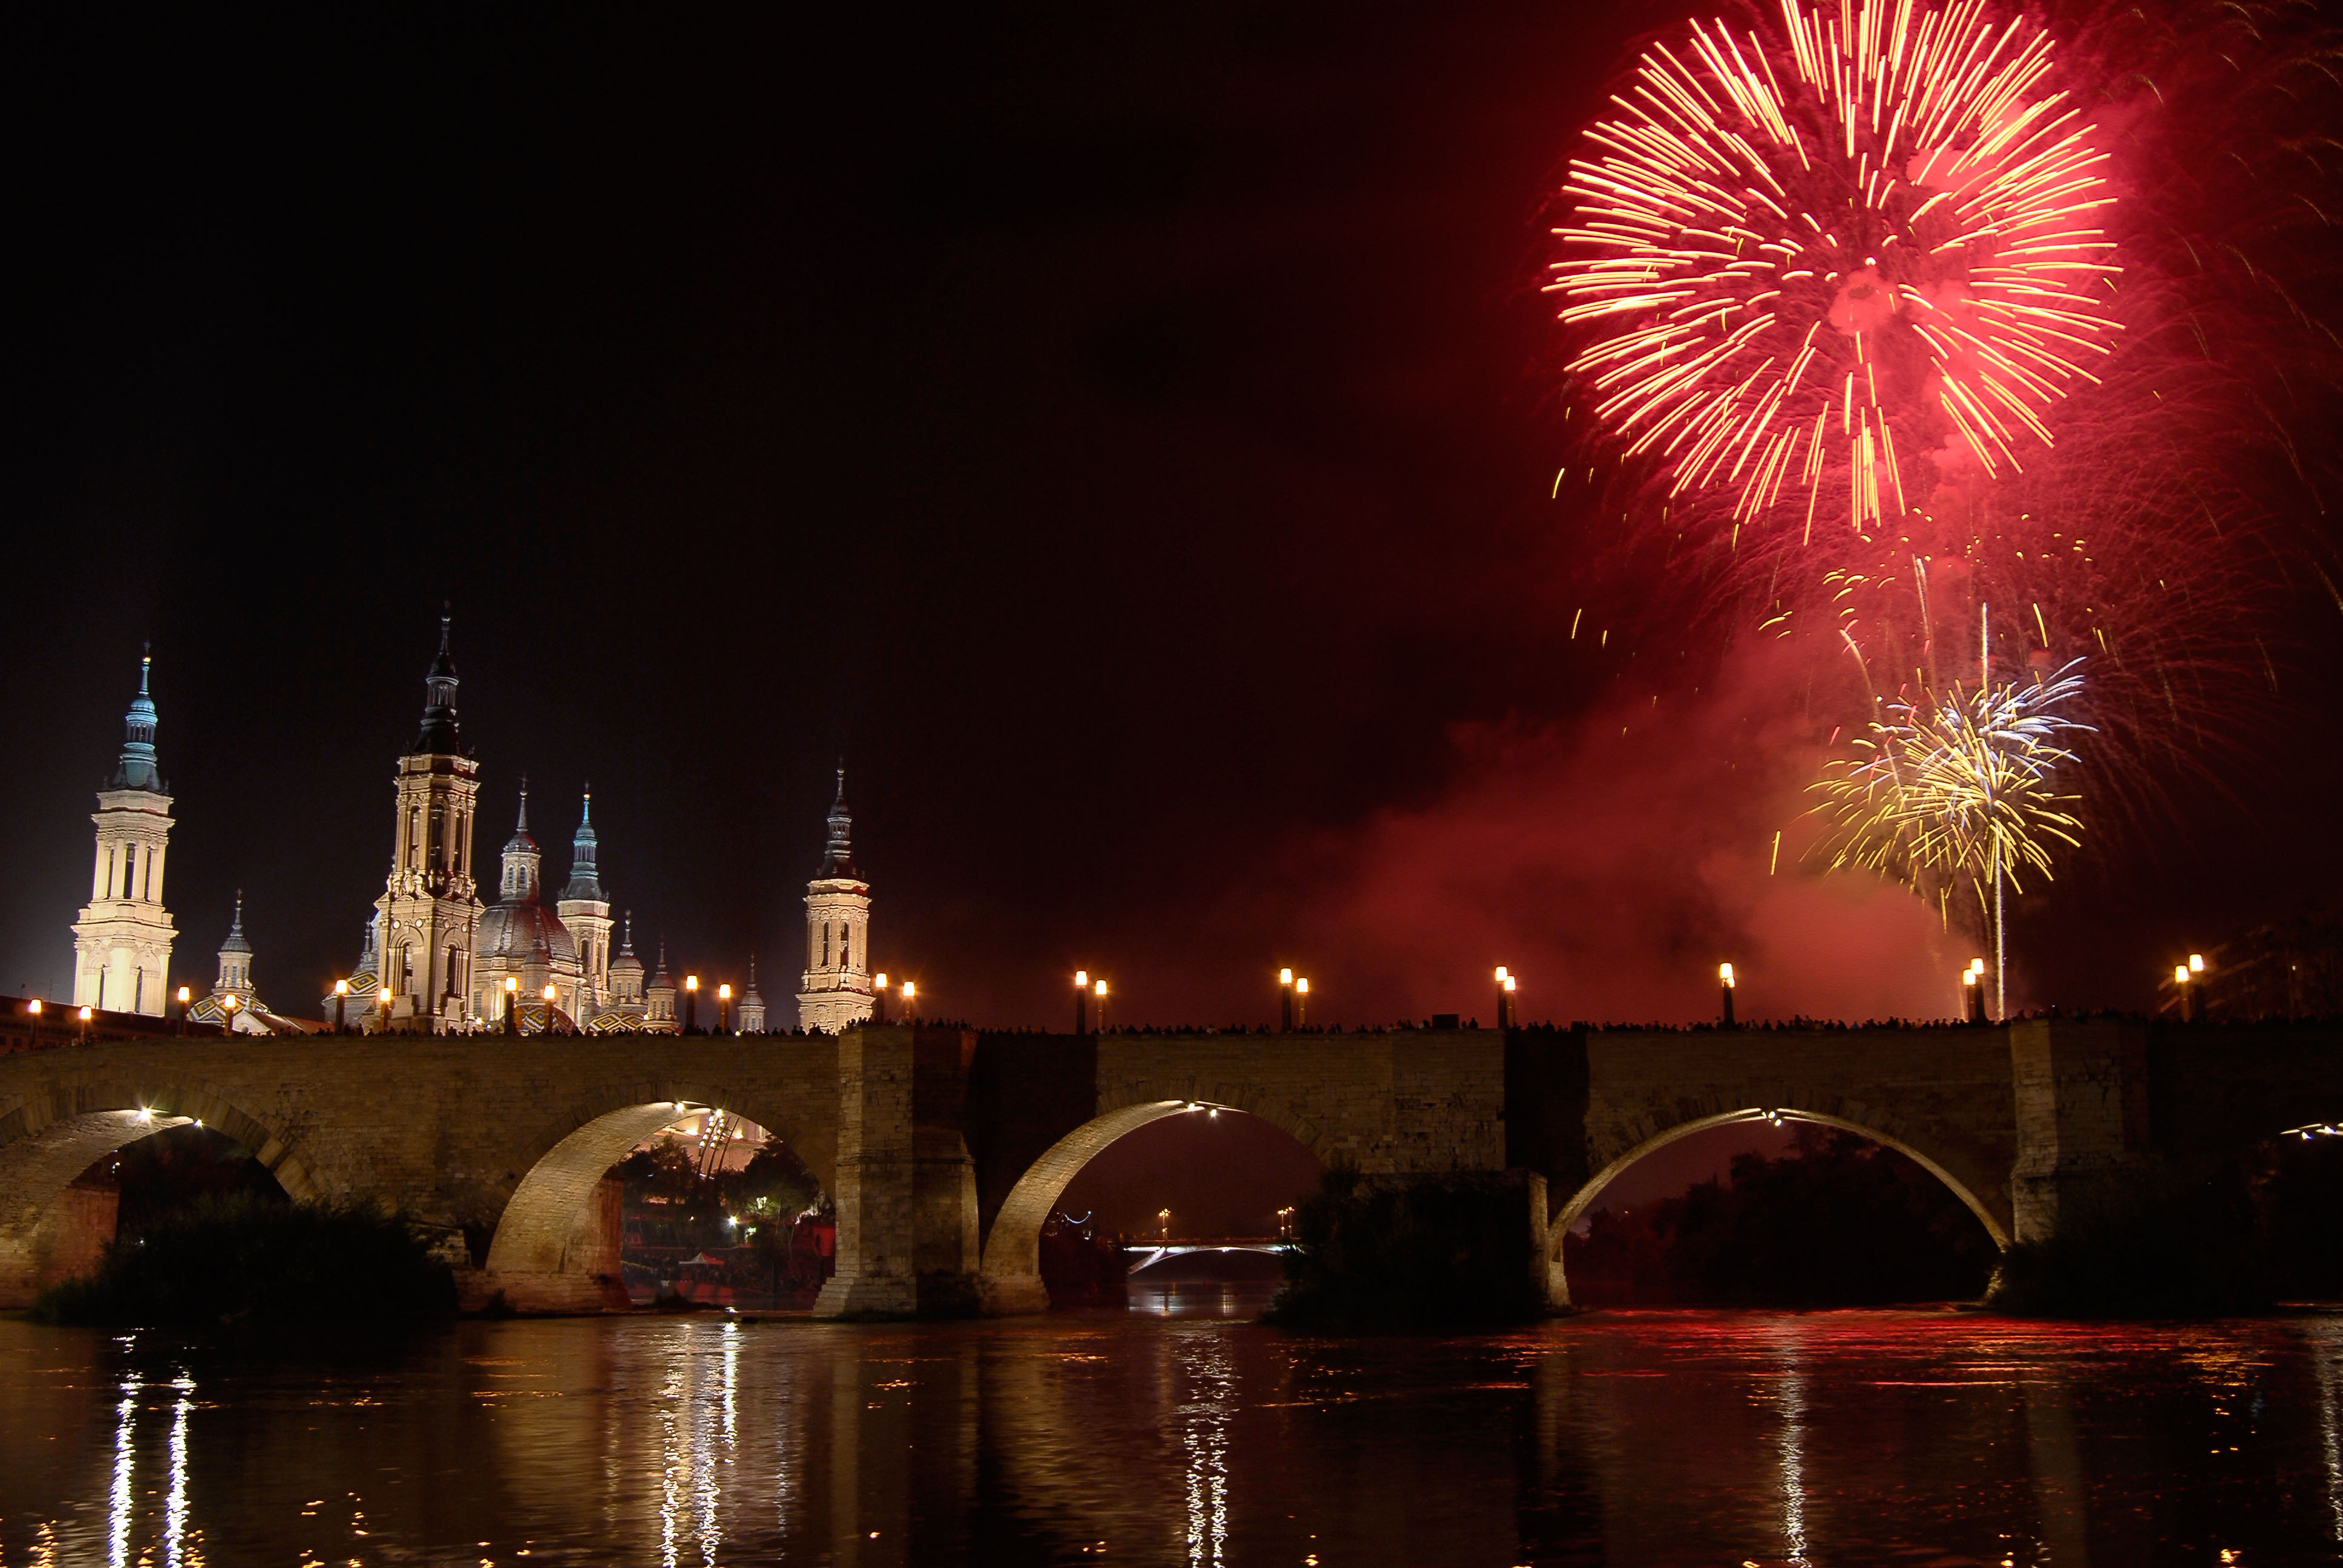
2149 520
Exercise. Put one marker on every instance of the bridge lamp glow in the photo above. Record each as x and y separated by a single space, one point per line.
1501 974
1082 980
1099 990
2179 974
85 1015
910 991
386 996
2196 963
1285 976
1510 986
549 993
1725 974
34 1007
691 982
341 988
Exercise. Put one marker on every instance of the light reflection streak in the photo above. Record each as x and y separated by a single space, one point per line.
671 1460
1205 1439
125 1415
2330 1436
1791 1399
174 1504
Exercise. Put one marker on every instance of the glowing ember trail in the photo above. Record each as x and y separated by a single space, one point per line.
1821 258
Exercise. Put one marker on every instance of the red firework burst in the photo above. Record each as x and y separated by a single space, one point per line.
1822 259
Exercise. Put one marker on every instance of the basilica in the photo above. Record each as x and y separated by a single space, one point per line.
437 957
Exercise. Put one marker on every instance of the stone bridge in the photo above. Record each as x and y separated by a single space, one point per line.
946 1149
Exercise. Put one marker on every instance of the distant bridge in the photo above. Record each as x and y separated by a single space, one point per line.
945 1148
1154 1253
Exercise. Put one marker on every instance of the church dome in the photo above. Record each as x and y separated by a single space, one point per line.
513 932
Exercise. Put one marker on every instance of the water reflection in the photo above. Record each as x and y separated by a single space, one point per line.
1790 1399
1623 1438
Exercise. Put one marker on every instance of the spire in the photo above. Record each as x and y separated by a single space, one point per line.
520 885
626 946
135 769
658 976
441 735
237 943
837 860
584 879
750 994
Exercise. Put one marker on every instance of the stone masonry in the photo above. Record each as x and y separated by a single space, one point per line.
945 1150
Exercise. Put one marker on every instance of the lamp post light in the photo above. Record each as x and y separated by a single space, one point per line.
86 1016
1724 978
724 1009
878 998
383 1000
911 1002
690 1004
1098 1012
1163 1218
2196 986
341 1006
1285 1001
227 1014
512 1005
1301 1002
184 994
1081 1002
1504 998
548 1011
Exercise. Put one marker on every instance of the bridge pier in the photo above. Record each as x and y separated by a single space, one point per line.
906 1190
2082 1104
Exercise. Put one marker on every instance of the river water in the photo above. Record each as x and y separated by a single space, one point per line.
1180 1433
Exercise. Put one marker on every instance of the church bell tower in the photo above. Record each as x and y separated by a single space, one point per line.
429 907
121 943
836 991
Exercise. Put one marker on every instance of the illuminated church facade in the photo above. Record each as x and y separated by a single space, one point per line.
437 957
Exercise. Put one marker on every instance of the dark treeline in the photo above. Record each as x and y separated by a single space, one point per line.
1838 1222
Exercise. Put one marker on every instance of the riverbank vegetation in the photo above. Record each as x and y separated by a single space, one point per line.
241 1260
1438 1254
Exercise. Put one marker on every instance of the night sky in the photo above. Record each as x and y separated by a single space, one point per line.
1126 436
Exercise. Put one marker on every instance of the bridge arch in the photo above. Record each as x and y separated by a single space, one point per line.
1010 1273
547 1253
1559 1223
55 1134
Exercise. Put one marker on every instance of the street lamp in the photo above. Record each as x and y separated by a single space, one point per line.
1081 1002
911 1000
1285 1001
690 1003
184 994
1097 995
724 1009
227 1013
879 999
384 998
341 1004
1164 1217
1301 1003
1724 978
512 1005
1504 998
549 1010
